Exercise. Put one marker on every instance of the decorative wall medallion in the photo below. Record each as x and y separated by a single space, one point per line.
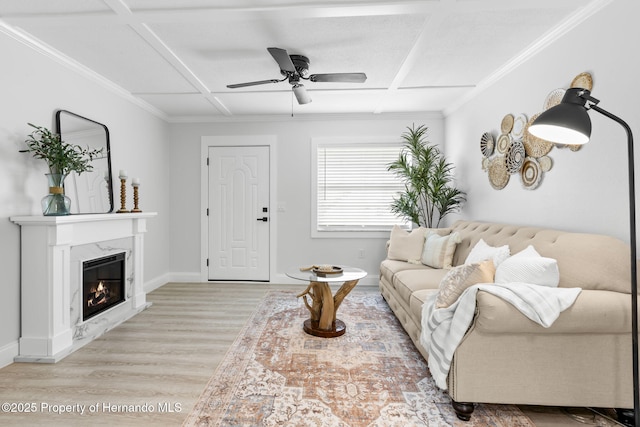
485 163
504 140
519 122
531 173
486 144
507 123
554 98
546 163
583 80
534 146
515 157
498 175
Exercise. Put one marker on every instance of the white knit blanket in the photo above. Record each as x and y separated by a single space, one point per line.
444 328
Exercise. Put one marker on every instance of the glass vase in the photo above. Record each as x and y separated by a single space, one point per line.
56 202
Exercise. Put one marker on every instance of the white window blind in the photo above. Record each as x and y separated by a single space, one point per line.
354 188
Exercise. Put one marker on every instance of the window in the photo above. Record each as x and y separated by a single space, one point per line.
353 190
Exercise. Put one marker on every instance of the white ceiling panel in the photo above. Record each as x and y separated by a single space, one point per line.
117 53
179 55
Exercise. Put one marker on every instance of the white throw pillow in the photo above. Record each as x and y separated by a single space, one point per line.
482 251
438 250
529 251
535 270
404 245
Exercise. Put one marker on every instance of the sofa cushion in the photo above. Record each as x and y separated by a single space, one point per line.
408 281
404 245
417 300
482 251
438 250
389 267
459 278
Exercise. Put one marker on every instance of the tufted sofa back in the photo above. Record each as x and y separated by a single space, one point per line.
588 261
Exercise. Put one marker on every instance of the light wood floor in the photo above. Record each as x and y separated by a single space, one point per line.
161 358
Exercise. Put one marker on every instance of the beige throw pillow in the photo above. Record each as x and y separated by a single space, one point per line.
438 250
454 283
404 245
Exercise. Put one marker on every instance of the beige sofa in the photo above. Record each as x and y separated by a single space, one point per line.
583 359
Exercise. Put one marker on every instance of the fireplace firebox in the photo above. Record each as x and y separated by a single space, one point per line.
103 284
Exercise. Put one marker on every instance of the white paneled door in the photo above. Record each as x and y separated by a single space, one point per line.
239 213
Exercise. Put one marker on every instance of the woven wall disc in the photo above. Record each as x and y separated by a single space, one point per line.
498 175
534 146
515 157
554 98
486 144
519 122
546 163
507 123
503 143
531 174
485 163
583 81
575 147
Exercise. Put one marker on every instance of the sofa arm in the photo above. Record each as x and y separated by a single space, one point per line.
594 311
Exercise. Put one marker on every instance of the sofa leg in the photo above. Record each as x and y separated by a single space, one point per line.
463 410
625 416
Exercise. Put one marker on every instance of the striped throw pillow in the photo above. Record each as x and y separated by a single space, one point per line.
438 250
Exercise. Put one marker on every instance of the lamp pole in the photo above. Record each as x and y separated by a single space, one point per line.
634 261
569 120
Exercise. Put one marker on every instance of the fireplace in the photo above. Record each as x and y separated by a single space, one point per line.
103 284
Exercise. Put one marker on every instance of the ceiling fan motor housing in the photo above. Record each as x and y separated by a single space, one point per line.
301 63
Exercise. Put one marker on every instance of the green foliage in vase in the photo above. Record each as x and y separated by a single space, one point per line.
428 178
60 156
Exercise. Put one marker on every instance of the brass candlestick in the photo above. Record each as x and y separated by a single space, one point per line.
135 197
123 194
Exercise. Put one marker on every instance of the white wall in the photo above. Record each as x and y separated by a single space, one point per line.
33 87
585 190
295 247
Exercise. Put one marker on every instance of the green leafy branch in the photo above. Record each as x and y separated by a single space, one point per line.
60 156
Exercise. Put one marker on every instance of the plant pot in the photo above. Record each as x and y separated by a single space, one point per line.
56 203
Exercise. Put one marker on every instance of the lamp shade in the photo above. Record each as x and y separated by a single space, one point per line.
567 122
301 94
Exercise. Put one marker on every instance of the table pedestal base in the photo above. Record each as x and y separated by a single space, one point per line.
337 328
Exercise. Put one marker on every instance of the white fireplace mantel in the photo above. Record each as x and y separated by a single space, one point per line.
51 250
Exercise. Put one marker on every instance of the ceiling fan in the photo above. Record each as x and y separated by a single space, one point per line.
294 68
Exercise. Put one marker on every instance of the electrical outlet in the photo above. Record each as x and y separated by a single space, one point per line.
361 253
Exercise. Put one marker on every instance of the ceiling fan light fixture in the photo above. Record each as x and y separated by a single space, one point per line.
301 94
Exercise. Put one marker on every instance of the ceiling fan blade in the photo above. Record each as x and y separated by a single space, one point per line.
261 82
282 58
339 77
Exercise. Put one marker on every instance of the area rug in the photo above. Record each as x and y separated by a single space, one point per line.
276 375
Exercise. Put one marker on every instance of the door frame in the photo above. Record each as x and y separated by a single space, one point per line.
236 141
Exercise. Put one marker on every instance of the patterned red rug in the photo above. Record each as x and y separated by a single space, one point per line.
277 375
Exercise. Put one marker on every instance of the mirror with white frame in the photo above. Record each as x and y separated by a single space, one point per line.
91 191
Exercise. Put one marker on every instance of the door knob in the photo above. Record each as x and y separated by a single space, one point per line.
264 219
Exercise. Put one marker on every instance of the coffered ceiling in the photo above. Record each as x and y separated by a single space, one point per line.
176 57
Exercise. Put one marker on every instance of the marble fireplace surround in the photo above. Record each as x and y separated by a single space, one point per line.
53 250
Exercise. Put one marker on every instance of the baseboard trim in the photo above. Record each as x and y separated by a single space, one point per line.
8 353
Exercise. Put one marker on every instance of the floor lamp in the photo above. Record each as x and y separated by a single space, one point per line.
569 123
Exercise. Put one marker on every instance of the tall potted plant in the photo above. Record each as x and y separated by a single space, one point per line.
428 178
62 158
